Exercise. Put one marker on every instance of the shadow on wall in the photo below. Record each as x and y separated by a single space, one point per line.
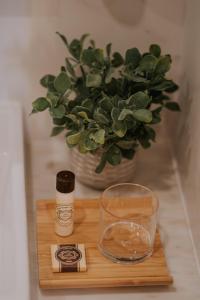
131 12
183 133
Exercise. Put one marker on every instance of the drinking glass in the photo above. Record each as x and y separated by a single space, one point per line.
128 217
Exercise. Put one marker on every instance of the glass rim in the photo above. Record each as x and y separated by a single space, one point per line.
130 184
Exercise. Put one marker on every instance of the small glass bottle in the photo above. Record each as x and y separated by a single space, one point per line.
64 223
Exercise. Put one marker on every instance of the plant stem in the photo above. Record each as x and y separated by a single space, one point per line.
83 71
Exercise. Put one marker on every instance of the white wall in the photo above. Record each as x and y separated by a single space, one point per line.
187 139
29 48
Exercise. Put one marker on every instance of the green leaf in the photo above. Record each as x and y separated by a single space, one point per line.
92 43
63 38
98 53
98 136
151 133
136 78
108 49
91 57
73 118
114 155
163 86
139 99
117 60
90 144
88 103
163 65
148 63
81 145
157 78
173 88
83 115
156 115
115 99
155 50
106 104
62 83
88 56
173 106
128 153
124 113
79 108
93 80
40 104
86 143
47 80
114 87
160 98
126 144
119 128
73 139
93 125
58 112
59 121
143 115
83 38
75 48
144 143
132 57
100 118
53 98
70 68
56 130
109 75
101 164
131 123
122 104
115 112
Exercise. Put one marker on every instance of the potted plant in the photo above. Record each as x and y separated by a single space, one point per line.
107 104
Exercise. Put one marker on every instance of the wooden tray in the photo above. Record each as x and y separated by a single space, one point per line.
101 271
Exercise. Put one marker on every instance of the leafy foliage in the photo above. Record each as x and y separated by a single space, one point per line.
106 101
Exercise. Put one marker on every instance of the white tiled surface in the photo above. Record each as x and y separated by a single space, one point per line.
155 169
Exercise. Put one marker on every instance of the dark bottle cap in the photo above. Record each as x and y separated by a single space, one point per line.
65 181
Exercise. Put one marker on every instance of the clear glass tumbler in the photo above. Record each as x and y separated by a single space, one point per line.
128 218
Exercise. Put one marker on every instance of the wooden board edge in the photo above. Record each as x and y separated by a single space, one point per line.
107 283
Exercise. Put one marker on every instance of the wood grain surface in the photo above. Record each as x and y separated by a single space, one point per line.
101 272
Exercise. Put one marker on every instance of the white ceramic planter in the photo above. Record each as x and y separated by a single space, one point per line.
85 164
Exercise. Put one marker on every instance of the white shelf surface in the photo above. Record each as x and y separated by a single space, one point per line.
155 169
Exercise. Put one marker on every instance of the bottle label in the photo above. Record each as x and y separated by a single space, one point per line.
64 214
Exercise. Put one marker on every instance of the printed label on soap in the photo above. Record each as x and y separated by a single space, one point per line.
64 214
68 255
